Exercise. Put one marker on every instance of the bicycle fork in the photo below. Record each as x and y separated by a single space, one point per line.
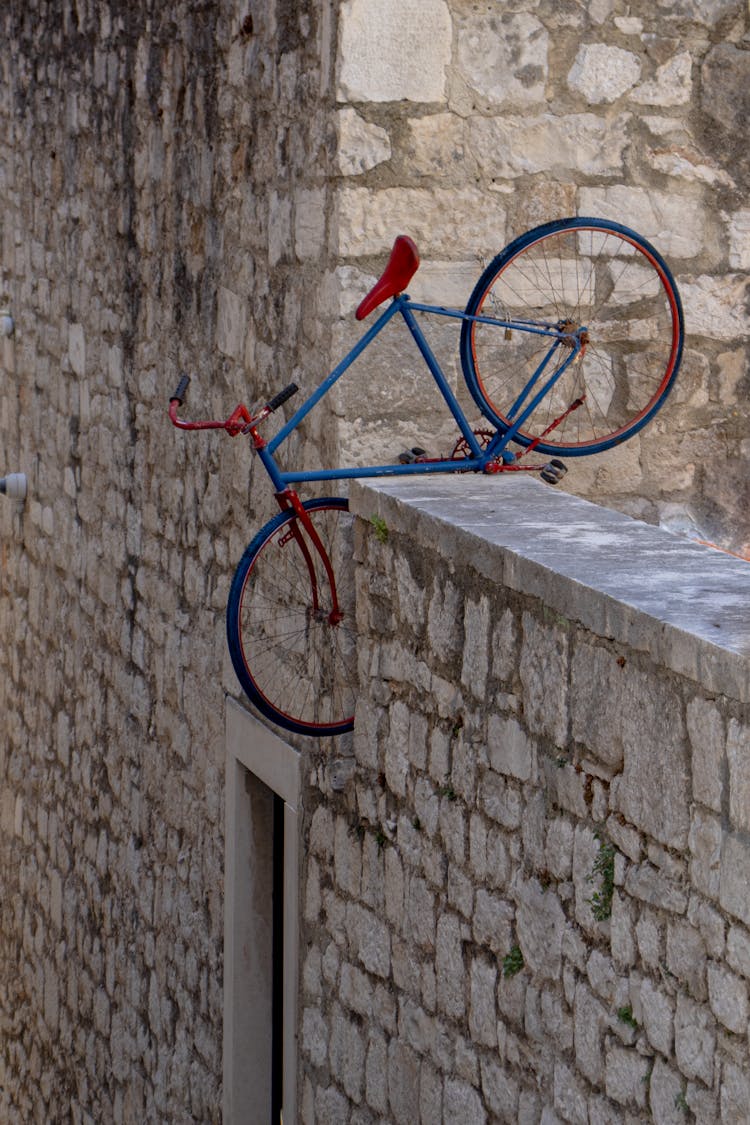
287 499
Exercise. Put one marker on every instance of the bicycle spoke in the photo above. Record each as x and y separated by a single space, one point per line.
295 664
604 287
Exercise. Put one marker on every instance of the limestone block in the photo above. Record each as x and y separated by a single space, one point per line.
727 995
671 84
230 323
504 58
560 848
676 225
482 1014
657 1015
396 749
376 1072
77 349
738 950
590 1020
309 223
279 227
570 1096
540 923
511 751
649 885
602 73
706 732
314 1036
476 642
735 1095
347 858
430 1093
739 240
346 1053
664 1095
361 145
705 842
544 660
369 939
449 966
686 957
724 83
443 222
512 146
492 922
695 1040
500 1089
734 879
444 618
716 306
393 50
461 1102
321 832
437 145
738 756
625 1076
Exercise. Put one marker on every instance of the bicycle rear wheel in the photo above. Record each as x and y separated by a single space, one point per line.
579 273
295 663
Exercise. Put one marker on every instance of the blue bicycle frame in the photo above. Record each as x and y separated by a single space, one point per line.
537 387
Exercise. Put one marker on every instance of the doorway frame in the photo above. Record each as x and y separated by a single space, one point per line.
252 748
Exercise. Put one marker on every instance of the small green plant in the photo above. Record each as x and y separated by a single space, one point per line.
604 870
512 962
380 838
416 824
625 1015
448 791
380 527
680 1101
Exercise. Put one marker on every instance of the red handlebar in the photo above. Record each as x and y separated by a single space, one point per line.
237 422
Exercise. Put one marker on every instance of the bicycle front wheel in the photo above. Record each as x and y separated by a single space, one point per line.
294 653
587 276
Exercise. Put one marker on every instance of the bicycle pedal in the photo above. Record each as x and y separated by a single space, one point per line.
409 456
553 472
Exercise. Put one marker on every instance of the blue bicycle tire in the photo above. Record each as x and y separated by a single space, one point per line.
582 271
293 665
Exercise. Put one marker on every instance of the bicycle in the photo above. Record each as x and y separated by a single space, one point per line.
570 343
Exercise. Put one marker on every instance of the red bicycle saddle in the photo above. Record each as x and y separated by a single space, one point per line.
401 267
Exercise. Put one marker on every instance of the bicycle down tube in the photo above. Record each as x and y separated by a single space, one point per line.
479 457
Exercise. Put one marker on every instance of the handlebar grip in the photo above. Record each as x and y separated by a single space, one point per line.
282 396
181 389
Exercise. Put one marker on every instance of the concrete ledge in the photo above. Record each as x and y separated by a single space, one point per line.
687 605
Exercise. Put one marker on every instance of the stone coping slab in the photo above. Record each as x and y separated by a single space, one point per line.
685 604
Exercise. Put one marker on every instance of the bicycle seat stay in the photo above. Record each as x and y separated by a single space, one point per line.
402 265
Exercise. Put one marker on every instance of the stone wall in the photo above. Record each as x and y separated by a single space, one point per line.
531 904
163 184
465 123
209 187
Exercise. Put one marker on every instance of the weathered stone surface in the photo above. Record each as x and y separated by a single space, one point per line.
695 1040
503 58
676 224
653 788
707 740
602 73
738 757
670 86
394 50
734 879
361 145
513 146
441 222
540 922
